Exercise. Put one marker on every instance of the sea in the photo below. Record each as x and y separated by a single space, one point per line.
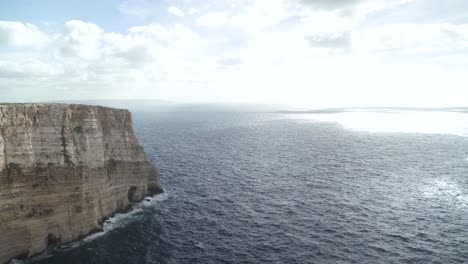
351 186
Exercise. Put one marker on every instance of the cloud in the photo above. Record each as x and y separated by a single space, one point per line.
81 39
259 15
366 5
354 10
331 4
413 39
138 54
19 34
91 62
28 68
213 20
138 8
340 40
137 46
175 11
193 11
229 61
251 51
176 34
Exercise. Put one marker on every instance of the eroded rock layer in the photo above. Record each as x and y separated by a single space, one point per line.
63 169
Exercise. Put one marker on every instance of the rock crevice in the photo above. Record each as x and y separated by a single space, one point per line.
63 169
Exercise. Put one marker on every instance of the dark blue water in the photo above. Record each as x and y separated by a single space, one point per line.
270 188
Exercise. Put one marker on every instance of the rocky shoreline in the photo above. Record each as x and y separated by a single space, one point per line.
64 168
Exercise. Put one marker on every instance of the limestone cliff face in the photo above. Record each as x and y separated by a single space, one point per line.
63 169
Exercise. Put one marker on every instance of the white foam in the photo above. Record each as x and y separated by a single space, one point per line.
121 219
428 122
200 245
117 221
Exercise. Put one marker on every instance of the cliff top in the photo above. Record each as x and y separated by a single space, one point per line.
64 105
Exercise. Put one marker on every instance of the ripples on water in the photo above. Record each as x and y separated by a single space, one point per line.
275 188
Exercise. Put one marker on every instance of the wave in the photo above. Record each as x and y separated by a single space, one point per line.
122 219
119 220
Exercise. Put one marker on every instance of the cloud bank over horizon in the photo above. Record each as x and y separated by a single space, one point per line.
308 53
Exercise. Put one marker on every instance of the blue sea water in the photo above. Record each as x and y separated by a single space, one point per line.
287 188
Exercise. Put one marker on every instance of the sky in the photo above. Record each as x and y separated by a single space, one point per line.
304 53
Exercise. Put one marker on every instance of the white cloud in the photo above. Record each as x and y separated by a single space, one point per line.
193 11
229 60
90 62
331 4
330 40
353 7
370 7
137 8
28 68
175 11
175 35
19 34
81 39
213 20
313 53
413 38
260 15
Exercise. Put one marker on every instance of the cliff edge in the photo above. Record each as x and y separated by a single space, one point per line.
63 169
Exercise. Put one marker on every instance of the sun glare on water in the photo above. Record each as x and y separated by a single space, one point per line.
450 123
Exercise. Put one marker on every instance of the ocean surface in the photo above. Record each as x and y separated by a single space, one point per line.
246 187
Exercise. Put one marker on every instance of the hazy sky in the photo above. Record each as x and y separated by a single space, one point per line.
310 53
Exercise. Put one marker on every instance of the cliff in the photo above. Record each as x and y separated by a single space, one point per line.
63 169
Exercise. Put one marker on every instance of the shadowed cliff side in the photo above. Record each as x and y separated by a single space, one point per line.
63 169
